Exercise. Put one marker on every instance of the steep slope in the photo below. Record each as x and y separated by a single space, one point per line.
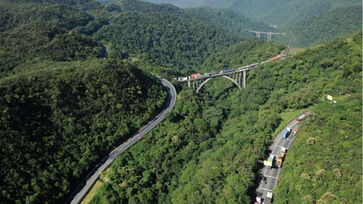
57 123
324 164
280 12
206 151
322 28
229 20
35 32
240 54
164 34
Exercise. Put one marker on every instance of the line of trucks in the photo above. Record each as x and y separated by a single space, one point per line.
199 75
270 160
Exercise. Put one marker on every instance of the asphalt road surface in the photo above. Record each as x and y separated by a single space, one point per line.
270 176
92 177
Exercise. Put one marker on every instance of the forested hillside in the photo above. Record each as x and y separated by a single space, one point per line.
71 89
324 164
229 20
64 106
322 28
282 12
163 34
166 38
57 123
241 54
31 32
206 151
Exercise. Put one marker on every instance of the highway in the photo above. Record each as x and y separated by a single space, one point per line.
92 177
270 176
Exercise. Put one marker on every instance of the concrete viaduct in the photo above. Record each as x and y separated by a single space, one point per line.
237 76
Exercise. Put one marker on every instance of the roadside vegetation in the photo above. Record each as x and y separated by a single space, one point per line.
56 124
324 163
206 150
75 81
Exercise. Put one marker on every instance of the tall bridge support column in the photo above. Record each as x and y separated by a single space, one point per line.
258 35
244 79
188 83
269 36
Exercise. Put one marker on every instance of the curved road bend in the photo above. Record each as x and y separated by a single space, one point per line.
271 175
102 165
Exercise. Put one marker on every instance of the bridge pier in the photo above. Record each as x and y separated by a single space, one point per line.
244 79
258 35
268 34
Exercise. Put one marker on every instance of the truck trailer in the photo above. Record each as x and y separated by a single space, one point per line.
285 133
269 162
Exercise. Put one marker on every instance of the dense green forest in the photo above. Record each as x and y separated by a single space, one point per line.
241 54
57 123
71 89
325 165
32 32
306 22
64 106
281 13
168 39
229 20
206 150
325 27
163 34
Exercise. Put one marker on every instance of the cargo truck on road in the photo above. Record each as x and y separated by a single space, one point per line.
269 162
280 159
285 133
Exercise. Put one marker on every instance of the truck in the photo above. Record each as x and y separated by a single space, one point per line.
278 57
269 162
280 159
195 75
285 133
227 70
300 117
268 199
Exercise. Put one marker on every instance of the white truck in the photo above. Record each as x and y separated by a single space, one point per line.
269 162
267 200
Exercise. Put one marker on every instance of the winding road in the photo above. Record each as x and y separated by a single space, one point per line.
270 176
92 177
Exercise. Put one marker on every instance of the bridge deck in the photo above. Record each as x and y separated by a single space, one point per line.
242 69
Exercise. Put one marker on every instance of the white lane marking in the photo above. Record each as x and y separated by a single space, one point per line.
281 146
265 189
270 176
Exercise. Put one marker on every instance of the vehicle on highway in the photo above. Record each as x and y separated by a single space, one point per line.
300 117
268 199
276 58
195 75
281 158
285 133
260 200
269 162
227 71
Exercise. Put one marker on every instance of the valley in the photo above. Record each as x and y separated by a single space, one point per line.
114 95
